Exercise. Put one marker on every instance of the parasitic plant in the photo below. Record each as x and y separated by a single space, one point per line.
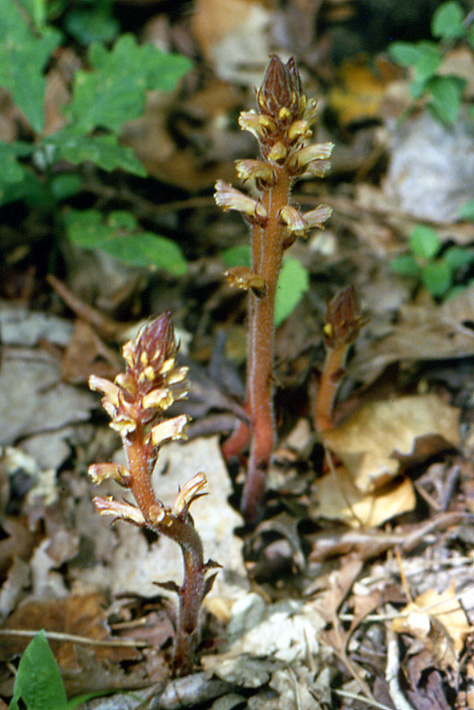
282 126
341 328
136 402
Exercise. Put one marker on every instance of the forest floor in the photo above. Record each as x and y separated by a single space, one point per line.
355 589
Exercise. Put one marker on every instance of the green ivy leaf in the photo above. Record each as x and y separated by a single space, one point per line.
103 151
446 96
115 91
406 265
424 57
292 284
38 683
119 235
237 256
437 277
23 57
424 242
447 22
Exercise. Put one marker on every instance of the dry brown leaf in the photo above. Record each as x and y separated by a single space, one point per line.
77 614
373 440
439 621
233 36
359 94
339 499
421 333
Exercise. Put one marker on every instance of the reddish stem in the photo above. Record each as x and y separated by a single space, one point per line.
183 532
267 255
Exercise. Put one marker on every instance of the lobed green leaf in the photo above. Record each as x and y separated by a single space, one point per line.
23 57
424 57
103 151
115 91
119 235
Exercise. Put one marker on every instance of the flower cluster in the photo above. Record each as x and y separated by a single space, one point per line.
282 126
136 402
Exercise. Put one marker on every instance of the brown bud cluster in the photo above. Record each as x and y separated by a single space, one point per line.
343 320
149 385
282 127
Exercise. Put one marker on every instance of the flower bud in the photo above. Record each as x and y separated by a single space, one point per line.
315 218
280 93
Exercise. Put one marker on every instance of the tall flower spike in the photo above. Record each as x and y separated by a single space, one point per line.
136 403
282 127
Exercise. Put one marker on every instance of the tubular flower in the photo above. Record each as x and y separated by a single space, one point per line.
136 402
282 126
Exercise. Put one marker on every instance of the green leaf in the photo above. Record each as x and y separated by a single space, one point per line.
30 189
237 256
467 211
457 257
103 151
446 96
437 277
89 25
406 265
424 57
115 91
424 242
12 169
38 683
23 57
36 9
65 185
447 22
119 235
292 284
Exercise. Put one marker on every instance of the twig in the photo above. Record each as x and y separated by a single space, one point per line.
73 638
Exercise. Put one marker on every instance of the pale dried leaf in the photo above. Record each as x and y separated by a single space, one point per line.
371 442
337 498
439 621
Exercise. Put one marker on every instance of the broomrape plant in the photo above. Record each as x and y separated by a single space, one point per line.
136 402
282 127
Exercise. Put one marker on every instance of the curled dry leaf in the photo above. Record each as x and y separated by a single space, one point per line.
379 436
338 498
439 621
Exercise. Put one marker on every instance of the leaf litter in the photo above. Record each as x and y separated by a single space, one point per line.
310 609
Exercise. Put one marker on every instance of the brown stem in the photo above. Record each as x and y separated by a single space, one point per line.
267 255
328 386
183 532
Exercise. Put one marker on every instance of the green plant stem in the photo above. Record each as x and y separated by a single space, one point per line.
182 532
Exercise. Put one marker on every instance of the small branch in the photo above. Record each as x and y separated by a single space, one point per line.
72 638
